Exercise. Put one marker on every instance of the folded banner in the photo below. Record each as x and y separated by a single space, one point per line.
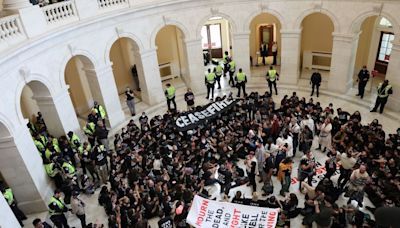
191 120
206 213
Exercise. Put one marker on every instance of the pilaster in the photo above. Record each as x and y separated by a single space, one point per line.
392 74
290 56
241 51
195 65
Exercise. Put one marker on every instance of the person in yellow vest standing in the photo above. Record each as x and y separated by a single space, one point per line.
272 77
241 81
57 209
89 130
210 82
232 69
225 61
100 111
218 70
170 95
384 90
9 196
74 140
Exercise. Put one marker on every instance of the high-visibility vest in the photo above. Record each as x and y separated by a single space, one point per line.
382 93
50 170
39 145
87 149
74 139
171 92
9 196
60 204
272 75
100 110
56 147
225 60
241 77
47 154
218 70
69 167
210 78
89 129
232 66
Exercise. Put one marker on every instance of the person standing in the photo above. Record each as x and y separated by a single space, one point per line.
101 133
57 209
170 95
274 53
225 61
384 90
264 52
306 168
232 69
209 80
78 208
241 81
358 180
100 111
218 73
315 82
272 77
363 77
9 197
130 100
284 174
189 98
325 137
347 162
99 156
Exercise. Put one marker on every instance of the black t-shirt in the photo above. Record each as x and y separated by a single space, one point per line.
306 161
166 222
189 98
128 95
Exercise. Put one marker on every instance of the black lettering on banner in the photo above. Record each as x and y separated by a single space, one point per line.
227 217
209 216
245 220
191 120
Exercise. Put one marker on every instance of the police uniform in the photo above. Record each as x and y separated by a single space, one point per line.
363 77
272 77
56 210
210 82
241 80
232 69
89 130
9 197
218 73
383 94
170 94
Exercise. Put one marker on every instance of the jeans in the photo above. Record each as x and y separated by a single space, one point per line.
131 106
285 184
169 101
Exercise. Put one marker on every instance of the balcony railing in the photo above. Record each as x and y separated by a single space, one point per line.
11 31
62 12
112 4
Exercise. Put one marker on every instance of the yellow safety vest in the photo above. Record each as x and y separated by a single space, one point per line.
382 93
101 110
60 204
241 77
89 130
73 139
272 75
218 70
9 196
55 145
171 92
71 168
232 66
50 169
210 78
39 145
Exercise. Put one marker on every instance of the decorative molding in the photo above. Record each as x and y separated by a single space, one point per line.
25 73
71 49
214 11
119 31
165 20
263 7
378 9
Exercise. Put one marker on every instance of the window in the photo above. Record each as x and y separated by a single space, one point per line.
385 23
385 47
211 36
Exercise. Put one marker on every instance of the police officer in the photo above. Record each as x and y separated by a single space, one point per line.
384 90
272 77
225 61
89 130
241 80
100 111
232 69
57 209
170 94
210 82
53 172
218 73
74 140
9 196
363 77
315 82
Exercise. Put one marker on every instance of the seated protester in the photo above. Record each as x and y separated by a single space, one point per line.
324 211
254 201
238 198
272 202
283 220
165 221
181 212
289 206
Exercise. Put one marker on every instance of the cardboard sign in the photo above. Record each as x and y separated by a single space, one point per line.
206 213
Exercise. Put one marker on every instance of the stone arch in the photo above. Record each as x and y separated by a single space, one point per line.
232 23
178 24
357 22
332 17
135 39
5 127
256 13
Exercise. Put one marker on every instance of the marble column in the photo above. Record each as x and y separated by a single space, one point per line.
195 79
149 78
344 52
7 217
290 56
58 113
392 74
104 91
241 51
21 167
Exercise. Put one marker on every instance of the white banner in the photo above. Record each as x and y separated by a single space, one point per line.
206 213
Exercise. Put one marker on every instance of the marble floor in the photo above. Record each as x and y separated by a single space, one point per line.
349 102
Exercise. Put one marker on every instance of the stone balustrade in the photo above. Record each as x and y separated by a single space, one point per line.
112 4
11 31
62 12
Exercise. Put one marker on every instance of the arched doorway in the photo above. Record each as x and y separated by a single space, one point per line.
84 87
374 49
264 32
316 47
127 69
172 56
38 107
